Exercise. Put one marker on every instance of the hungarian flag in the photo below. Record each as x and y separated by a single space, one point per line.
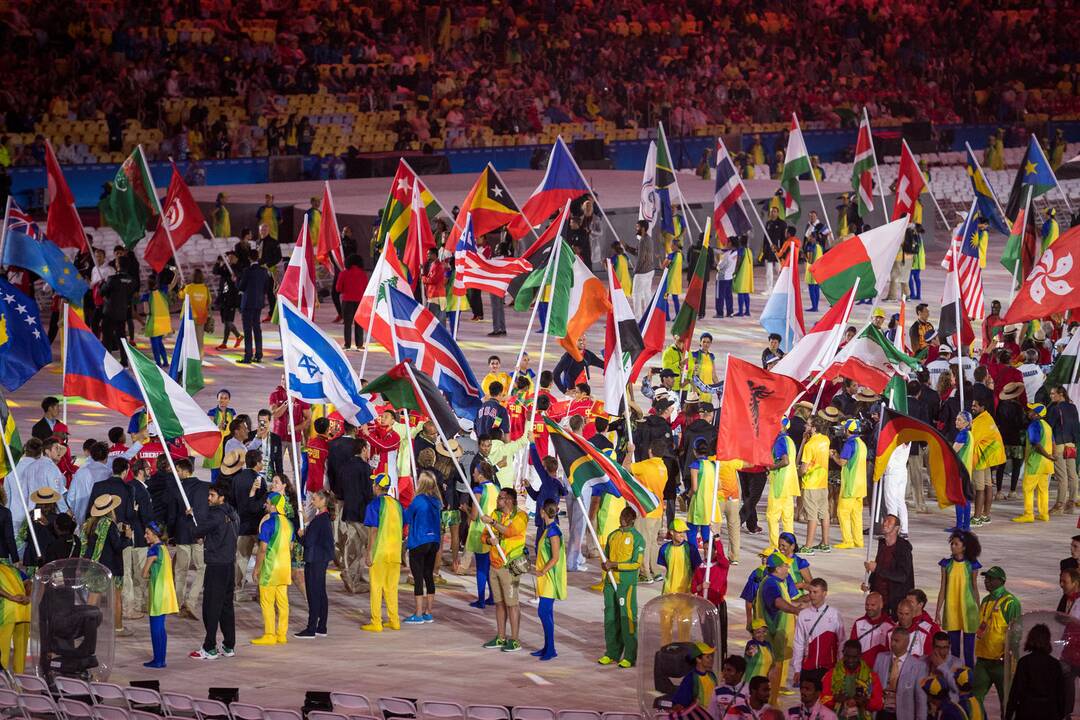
329 253
91 372
653 328
186 364
406 386
562 182
181 220
1064 370
909 184
298 282
870 360
868 256
1034 172
395 215
683 326
617 364
815 351
131 202
63 225
177 415
11 439
783 311
419 238
1051 285
489 202
796 164
754 402
952 484
585 466
862 182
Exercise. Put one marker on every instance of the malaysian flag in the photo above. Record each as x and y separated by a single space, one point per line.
473 271
965 246
728 212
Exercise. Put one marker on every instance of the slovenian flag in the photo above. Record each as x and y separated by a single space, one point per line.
92 372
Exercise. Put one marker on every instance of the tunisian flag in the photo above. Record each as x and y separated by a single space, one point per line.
754 402
181 218
63 225
1051 285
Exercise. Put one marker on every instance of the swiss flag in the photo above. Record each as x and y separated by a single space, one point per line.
909 183
1050 287
181 219
63 225
755 400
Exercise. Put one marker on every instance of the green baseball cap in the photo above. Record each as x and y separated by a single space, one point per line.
995 572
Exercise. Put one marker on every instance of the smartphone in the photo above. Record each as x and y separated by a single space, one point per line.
36 514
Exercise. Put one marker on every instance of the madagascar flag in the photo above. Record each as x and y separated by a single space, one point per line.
491 206
405 386
952 485
683 327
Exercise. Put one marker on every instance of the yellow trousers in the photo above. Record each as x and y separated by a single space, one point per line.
779 510
273 597
17 634
1037 487
676 617
849 513
385 577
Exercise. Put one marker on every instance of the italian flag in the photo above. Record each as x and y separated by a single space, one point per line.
871 360
174 411
868 256
861 181
796 163
186 365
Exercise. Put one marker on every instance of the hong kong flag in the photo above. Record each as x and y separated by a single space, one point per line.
755 401
181 219
1050 287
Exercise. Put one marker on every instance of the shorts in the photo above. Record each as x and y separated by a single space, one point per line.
450 517
816 503
504 586
980 479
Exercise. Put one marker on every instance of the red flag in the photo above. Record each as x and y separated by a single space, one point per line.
298 282
490 205
63 225
329 252
547 236
755 400
420 238
181 219
909 183
1051 285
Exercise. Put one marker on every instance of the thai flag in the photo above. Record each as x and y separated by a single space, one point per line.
653 326
562 181
728 211
93 373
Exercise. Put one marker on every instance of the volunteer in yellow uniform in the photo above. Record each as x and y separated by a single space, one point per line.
814 465
384 523
783 485
1038 464
273 568
852 462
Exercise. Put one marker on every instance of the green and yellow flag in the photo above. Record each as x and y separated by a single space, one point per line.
395 214
131 203
11 438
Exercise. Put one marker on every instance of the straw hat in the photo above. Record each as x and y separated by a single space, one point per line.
104 504
692 397
830 413
1012 390
455 447
45 496
867 396
804 405
233 462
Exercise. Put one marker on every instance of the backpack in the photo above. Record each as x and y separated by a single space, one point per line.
911 243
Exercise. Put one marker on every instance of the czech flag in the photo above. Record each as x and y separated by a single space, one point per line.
93 373
562 181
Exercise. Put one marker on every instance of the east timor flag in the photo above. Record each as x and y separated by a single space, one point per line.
491 206
952 485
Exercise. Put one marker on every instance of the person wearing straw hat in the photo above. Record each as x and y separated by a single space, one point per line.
1009 417
1038 464
162 595
273 571
42 513
384 523
105 540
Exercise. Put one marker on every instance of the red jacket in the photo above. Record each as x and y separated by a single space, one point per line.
434 279
717 576
351 284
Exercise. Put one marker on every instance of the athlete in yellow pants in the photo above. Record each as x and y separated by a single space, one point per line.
1038 464
383 521
273 570
680 559
14 618
852 462
783 486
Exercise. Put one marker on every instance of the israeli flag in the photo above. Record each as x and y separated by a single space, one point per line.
317 369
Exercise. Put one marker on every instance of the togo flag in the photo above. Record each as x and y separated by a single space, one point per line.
868 256
176 413
186 365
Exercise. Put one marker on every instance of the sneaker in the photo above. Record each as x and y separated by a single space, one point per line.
478 604
201 654
371 627
624 663
986 520
265 640
305 634
428 618
414 620
511 646
605 660
227 651
807 549
495 643
823 547
320 633
976 521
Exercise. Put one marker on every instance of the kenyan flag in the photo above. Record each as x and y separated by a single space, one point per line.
132 202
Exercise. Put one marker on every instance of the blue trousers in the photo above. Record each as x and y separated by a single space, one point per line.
914 283
692 534
815 296
673 306
546 613
318 603
744 304
958 638
157 344
541 317
723 297
963 519
158 638
483 576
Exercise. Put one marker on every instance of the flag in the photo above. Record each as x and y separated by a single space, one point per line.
649 205
175 412
621 320
318 370
783 312
1023 244
406 386
24 344
329 253
11 435
418 239
815 351
796 163
900 339
909 184
131 202
181 220
473 271
1034 172
396 214
683 326
870 360
963 281
562 182
896 393
424 341
26 247
868 256
1051 284
490 205
665 182
949 476
585 466
754 401
92 372
653 327
63 224
1064 370
728 213
298 283
986 200
387 269
862 182
186 365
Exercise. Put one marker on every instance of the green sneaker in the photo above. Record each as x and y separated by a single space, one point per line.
824 548
624 663
494 644
807 549
511 646
605 660
976 521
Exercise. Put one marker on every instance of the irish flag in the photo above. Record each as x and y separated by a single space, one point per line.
868 256
796 163
174 411
186 365
870 360
813 353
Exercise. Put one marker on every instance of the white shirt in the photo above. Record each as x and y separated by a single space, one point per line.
727 264
936 369
871 636
897 467
82 485
1034 378
818 712
916 641
812 623
18 514
724 696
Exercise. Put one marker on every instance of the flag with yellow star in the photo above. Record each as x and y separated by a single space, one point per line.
25 246
25 346
1034 172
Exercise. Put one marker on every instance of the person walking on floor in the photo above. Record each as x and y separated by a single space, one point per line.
162 595
423 518
550 575
218 533
383 520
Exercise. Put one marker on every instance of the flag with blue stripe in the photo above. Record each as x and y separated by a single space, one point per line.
984 194
25 246
24 344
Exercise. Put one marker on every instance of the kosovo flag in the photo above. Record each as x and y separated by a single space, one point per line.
1034 172
24 344
984 193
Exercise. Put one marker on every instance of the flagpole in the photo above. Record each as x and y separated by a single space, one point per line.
7 216
161 434
397 359
63 360
592 194
675 178
839 333
990 187
712 516
528 328
813 176
283 331
877 170
553 262
161 212
623 375
1015 284
1052 174
19 487
879 484
745 194
959 327
596 539
210 235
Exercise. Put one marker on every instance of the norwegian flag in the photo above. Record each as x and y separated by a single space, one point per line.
473 271
909 183
728 211
965 247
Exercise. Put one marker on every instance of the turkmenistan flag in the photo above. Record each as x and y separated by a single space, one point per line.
131 203
175 412
395 215
796 163
11 438
1064 371
683 327
186 365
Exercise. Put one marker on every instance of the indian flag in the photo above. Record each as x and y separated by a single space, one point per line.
871 360
796 164
186 365
174 411
868 256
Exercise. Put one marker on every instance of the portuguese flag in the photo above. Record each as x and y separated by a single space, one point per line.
683 327
131 202
952 484
868 256
405 386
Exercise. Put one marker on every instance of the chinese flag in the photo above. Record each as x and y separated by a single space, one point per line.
755 400
181 216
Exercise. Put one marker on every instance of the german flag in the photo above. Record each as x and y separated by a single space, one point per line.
952 484
395 216
491 206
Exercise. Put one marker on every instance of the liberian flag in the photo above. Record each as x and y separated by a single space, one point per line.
298 282
815 351
91 372
796 163
783 313
562 182
186 365
653 327
473 271
868 256
870 360
617 365
728 212
861 180
177 415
